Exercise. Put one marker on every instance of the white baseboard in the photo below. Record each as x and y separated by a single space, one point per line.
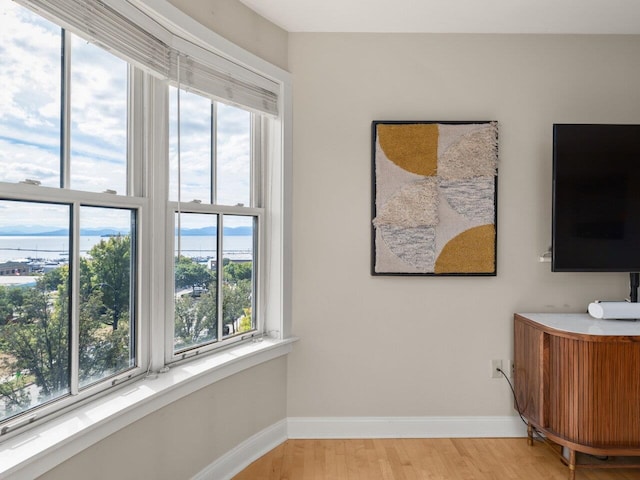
405 427
237 459
243 455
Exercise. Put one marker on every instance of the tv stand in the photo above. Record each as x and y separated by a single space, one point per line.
577 383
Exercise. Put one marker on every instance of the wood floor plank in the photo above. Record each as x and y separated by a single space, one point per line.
418 459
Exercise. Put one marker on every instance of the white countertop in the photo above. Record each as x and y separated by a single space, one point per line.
585 324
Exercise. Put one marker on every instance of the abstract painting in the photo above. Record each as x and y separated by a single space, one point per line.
434 204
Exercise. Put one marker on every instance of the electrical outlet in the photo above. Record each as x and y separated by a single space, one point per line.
495 365
511 368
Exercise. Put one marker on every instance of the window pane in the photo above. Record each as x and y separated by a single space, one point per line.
107 337
34 305
195 146
237 276
29 97
98 119
233 156
196 302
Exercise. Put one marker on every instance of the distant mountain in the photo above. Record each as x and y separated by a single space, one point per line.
35 231
40 232
30 230
189 232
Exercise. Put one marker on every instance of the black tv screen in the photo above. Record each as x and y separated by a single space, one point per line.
596 198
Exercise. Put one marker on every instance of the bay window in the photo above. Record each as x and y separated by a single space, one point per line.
133 173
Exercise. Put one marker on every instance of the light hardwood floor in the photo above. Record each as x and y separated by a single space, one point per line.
419 459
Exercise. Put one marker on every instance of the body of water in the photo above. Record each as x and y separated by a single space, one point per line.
57 248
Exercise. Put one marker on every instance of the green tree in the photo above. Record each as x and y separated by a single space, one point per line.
236 297
34 339
190 274
14 390
195 320
103 351
6 311
105 297
54 278
246 323
236 271
109 268
11 298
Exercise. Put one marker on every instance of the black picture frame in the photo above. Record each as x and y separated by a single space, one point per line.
464 149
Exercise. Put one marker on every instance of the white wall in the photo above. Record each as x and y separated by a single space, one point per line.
240 25
180 440
392 346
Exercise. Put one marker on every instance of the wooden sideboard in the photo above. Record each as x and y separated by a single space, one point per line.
577 382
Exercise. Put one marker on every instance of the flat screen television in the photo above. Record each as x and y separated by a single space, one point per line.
596 198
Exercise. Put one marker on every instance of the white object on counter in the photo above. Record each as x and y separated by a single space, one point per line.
621 310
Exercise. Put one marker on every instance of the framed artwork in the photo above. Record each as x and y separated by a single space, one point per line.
434 205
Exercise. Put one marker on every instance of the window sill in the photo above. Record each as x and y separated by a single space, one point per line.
31 453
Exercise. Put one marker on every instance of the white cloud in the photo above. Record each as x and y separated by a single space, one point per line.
30 118
98 217
30 214
30 63
98 95
98 118
97 176
234 155
30 67
56 217
21 161
195 146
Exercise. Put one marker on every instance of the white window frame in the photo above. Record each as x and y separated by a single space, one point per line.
255 209
273 144
82 425
258 213
133 200
76 200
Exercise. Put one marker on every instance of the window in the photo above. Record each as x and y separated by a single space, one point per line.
98 118
133 166
68 230
65 120
30 117
216 153
214 168
34 298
